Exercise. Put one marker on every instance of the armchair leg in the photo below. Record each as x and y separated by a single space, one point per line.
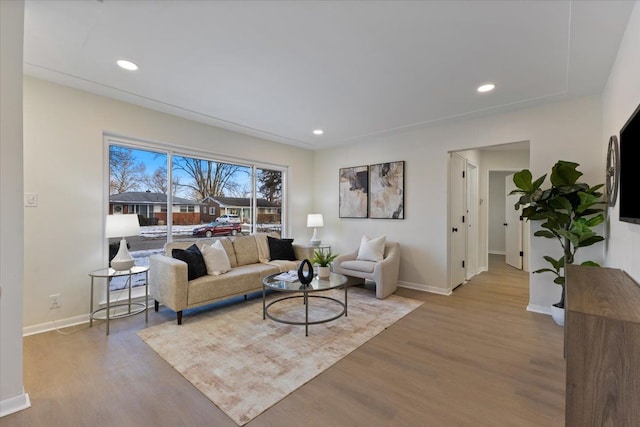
156 305
179 317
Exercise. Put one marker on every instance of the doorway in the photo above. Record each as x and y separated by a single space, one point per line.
508 234
478 241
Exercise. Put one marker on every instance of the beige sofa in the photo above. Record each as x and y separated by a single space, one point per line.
249 259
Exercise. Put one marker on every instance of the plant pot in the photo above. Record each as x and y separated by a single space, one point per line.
324 272
557 314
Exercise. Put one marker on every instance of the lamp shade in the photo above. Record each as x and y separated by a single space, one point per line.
315 220
122 226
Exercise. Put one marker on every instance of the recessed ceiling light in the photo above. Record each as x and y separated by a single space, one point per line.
486 87
127 65
318 132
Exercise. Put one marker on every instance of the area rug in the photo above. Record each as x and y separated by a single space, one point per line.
244 364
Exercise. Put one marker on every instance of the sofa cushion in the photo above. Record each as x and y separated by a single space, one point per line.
284 265
246 250
215 258
363 266
195 263
371 249
243 279
263 247
281 249
231 253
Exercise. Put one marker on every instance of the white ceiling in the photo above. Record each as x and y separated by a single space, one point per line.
279 69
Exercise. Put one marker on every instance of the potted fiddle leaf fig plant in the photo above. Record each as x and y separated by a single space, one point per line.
569 211
323 259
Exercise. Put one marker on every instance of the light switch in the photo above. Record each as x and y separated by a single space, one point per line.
30 199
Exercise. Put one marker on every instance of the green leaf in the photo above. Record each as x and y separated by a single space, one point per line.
592 222
590 241
588 212
529 211
590 264
556 263
564 173
586 201
593 189
575 240
522 180
538 182
546 270
544 233
559 280
560 203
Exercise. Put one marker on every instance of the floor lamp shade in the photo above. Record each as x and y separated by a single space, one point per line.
315 221
122 226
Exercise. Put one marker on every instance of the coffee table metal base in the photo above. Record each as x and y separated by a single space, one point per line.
306 322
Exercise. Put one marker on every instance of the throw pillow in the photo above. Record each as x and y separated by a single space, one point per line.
193 257
281 249
216 259
371 249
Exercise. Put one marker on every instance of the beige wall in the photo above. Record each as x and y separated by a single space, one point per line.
564 130
65 161
621 98
12 395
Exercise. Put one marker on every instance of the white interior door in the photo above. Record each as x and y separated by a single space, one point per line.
513 227
457 227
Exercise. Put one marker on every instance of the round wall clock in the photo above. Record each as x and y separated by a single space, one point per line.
613 170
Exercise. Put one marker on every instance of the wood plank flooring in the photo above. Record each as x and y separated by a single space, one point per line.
476 358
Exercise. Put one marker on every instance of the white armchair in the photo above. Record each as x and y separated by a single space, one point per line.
384 273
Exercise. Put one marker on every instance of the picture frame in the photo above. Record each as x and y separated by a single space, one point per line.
353 192
386 190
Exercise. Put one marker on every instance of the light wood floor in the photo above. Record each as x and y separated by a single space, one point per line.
476 358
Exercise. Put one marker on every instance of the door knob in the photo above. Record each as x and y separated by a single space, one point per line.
454 229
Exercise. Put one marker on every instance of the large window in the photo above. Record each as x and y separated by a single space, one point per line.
202 189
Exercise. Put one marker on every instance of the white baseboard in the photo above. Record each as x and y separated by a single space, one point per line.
424 288
71 321
55 324
14 404
497 252
542 309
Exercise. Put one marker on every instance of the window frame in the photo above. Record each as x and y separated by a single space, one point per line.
171 150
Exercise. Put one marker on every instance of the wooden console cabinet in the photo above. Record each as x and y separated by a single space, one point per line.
602 344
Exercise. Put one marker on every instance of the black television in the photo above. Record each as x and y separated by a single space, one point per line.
630 169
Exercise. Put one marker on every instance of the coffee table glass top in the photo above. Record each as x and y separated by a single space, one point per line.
335 280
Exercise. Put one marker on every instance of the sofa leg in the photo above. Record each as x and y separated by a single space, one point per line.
245 297
179 317
156 305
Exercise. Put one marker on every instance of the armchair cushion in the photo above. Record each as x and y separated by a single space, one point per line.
364 266
371 249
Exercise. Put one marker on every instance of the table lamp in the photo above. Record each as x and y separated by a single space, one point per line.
122 226
315 221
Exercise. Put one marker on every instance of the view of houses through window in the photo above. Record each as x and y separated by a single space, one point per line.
225 197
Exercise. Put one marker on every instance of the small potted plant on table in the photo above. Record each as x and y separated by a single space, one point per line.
323 259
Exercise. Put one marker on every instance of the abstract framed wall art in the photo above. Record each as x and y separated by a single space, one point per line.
354 189
386 190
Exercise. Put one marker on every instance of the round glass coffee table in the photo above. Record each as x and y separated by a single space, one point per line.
305 293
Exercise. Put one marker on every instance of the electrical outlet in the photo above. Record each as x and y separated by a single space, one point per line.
54 301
